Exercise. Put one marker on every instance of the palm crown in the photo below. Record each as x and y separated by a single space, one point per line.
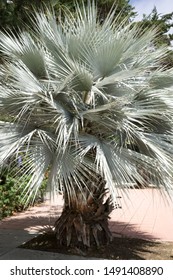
86 100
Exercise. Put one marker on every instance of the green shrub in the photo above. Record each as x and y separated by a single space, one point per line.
12 194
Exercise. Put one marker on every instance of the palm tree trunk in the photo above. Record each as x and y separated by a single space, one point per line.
84 220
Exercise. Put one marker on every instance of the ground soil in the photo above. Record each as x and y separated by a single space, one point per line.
119 249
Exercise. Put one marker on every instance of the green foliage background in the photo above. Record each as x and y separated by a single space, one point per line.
15 13
12 196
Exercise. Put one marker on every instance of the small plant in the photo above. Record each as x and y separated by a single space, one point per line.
12 194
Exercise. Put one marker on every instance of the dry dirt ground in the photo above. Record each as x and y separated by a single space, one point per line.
119 249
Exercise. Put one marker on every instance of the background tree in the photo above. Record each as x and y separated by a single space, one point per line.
123 8
15 12
163 23
6 12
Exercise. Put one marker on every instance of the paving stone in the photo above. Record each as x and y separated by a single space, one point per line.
144 214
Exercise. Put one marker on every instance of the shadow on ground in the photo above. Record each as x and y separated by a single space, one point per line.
31 220
122 247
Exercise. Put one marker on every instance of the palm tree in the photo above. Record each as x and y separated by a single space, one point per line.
88 104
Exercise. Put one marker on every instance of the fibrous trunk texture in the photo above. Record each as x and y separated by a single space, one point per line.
84 219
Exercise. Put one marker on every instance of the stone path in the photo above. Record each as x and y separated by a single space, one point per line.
144 214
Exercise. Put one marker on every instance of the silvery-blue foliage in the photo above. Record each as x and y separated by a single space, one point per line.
78 98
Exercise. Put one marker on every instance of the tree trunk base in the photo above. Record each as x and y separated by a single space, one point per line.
84 229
